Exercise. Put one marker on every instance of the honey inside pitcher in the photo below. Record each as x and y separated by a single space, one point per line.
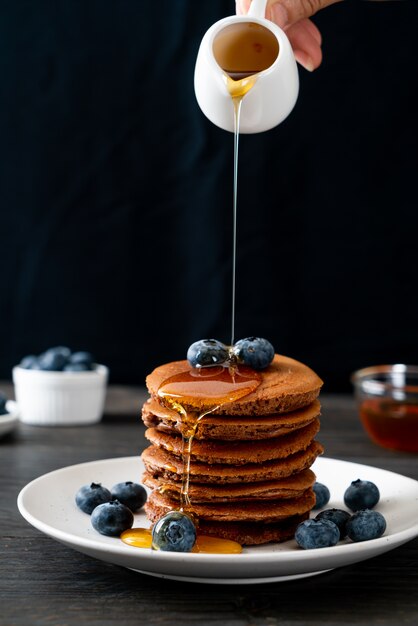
243 50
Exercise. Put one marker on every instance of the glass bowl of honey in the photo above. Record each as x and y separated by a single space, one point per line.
387 397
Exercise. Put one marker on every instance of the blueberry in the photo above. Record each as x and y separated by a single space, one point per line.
130 494
255 352
54 359
317 533
365 525
175 532
83 358
339 517
322 495
112 518
90 496
207 352
3 401
361 494
76 367
66 352
28 362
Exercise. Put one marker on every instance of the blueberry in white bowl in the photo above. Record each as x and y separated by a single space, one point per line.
30 362
54 359
59 359
82 358
76 367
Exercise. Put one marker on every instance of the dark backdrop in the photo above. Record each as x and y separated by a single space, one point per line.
116 192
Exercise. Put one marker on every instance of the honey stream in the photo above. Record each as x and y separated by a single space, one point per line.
198 392
242 51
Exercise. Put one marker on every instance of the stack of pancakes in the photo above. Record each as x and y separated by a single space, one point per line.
249 474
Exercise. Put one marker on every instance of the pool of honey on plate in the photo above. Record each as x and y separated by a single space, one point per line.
193 394
142 538
391 423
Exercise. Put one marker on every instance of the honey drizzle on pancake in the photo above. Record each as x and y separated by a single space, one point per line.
207 386
214 386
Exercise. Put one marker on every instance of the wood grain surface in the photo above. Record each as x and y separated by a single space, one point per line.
45 583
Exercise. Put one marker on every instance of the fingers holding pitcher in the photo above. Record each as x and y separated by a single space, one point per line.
293 17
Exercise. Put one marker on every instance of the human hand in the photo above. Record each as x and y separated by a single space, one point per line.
293 17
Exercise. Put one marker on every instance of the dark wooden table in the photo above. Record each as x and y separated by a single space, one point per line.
45 583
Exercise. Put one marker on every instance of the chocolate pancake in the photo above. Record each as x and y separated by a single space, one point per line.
286 385
230 428
291 487
238 452
160 463
266 512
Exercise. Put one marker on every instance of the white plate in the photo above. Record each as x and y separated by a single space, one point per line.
48 504
9 421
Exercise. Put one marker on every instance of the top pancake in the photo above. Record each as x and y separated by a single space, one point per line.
286 385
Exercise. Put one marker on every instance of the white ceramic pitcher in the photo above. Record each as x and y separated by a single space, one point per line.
275 91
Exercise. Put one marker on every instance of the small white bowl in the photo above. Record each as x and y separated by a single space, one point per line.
60 398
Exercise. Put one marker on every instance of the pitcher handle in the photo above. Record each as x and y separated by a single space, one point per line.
257 9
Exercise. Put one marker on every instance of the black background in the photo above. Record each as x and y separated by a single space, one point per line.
116 192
